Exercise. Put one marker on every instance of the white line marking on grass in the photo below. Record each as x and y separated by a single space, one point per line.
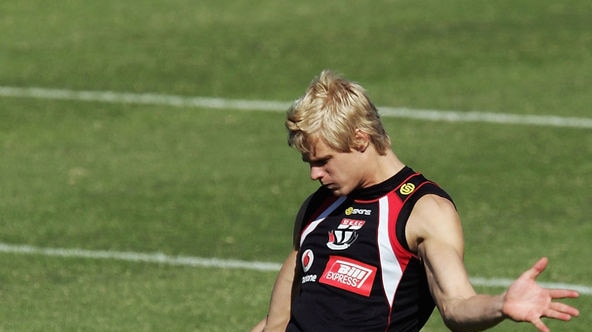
279 106
159 258
502 282
144 98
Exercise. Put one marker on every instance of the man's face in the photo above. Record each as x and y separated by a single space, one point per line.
340 172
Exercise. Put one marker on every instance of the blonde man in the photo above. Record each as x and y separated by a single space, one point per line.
378 245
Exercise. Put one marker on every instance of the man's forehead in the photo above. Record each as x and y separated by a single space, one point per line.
318 150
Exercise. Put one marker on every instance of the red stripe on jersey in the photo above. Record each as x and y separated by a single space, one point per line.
402 254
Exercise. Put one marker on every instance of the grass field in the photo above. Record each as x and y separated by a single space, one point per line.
207 182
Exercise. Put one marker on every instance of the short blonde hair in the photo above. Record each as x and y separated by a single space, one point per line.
332 109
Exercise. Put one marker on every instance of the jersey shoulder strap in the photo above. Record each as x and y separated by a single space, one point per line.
410 191
310 209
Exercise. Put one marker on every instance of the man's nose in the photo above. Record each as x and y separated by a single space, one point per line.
316 173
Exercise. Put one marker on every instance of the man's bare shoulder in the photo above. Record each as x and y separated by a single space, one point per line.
433 217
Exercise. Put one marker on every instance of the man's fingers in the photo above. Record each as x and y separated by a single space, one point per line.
563 293
564 310
537 268
538 323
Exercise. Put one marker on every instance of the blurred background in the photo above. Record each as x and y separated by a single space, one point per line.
133 130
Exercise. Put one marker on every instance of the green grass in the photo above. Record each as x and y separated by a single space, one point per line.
49 294
222 183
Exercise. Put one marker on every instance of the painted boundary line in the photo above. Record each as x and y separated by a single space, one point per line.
159 258
154 258
279 106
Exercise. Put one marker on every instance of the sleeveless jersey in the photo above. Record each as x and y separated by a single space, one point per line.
355 271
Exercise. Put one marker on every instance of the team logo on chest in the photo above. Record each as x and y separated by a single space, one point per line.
345 234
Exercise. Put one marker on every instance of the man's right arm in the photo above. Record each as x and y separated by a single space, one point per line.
281 296
284 287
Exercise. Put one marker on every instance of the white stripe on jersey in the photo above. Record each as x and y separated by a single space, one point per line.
311 227
391 269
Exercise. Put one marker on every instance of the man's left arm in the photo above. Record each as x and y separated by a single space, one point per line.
434 231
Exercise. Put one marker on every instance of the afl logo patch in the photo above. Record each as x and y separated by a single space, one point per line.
307 259
349 211
407 188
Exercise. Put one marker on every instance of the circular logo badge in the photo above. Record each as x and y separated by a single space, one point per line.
307 259
407 188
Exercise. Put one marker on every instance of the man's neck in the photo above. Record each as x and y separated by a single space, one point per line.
384 167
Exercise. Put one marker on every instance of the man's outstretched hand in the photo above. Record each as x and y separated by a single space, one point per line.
526 301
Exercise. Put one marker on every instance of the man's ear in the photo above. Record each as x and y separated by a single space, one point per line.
361 140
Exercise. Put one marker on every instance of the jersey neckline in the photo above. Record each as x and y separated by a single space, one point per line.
380 189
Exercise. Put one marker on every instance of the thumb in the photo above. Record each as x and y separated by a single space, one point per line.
536 269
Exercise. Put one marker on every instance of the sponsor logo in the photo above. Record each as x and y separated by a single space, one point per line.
349 275
345 234
307 259
407 188
350 210
309 278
